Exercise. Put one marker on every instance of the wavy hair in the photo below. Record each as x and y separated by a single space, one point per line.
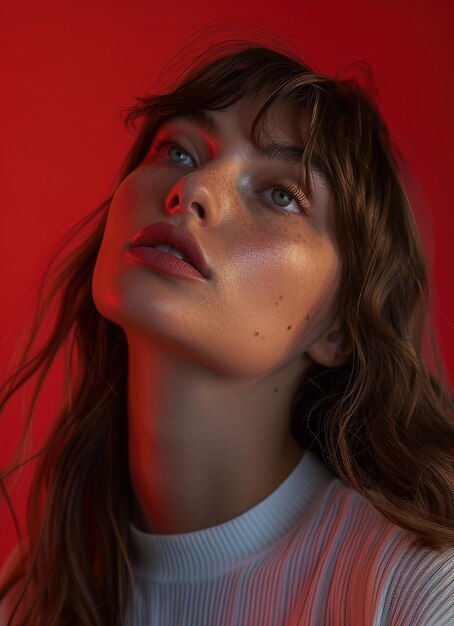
382 422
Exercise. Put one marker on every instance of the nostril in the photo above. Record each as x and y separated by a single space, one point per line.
173 202
173 205
199 208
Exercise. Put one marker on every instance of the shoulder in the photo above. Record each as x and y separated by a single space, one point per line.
382 576
419 590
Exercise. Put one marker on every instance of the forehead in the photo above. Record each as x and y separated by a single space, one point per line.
282 122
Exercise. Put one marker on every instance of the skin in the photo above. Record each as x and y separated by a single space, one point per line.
213 365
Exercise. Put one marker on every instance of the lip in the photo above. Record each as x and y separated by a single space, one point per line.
177 237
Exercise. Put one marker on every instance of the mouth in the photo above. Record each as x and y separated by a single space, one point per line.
173 251
164 262
173 240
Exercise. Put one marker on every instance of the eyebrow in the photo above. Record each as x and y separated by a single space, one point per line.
271 150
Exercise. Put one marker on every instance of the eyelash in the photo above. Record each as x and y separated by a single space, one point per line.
292 190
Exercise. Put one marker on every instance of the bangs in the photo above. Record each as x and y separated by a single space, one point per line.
308 104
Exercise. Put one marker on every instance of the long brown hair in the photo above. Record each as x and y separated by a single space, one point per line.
383 421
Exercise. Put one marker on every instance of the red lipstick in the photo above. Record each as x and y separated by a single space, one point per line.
162 233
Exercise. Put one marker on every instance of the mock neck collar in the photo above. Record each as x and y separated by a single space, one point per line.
211 551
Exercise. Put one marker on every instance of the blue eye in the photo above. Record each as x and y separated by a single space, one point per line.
282 196
176 153
180 154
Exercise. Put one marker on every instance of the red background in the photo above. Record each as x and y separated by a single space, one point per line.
68 68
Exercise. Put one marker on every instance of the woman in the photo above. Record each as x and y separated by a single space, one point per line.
252 434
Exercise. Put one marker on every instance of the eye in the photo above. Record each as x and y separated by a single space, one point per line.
283 196
176 153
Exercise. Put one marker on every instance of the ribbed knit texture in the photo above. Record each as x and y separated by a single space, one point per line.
313 553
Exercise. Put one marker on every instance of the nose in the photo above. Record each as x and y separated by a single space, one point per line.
199 193
187 196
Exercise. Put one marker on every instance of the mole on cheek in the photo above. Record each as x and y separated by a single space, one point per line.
256 333
288 327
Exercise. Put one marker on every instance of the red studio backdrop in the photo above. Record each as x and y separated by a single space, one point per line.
68 69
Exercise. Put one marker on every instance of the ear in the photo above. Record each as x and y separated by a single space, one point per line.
332 348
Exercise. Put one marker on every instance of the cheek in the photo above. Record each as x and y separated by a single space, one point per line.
306 275
135 193
136 202
284 298
319 282
146 186
120 226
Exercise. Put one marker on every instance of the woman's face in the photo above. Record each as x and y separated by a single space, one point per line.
274 265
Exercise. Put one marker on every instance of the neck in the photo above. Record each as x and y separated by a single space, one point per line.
204 447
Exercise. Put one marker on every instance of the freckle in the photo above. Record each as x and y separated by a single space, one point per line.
256 333
307 316
280 297
275 389
262 337
298 235
288 327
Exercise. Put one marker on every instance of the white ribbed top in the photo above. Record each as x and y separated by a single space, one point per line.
313 553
